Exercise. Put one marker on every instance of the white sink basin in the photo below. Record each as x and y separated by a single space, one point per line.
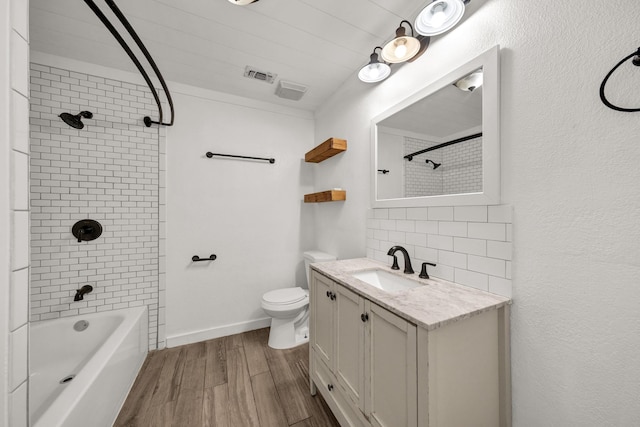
386 281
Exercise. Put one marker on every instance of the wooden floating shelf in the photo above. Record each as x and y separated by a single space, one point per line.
326 196
327 149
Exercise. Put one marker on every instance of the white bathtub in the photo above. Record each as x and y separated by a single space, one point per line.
105 359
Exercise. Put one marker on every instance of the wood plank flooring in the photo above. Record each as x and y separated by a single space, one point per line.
235 381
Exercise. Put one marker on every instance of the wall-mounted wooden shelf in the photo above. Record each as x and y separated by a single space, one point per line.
327 149
326 196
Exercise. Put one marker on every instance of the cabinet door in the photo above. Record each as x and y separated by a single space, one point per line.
349 351
322 305
392 383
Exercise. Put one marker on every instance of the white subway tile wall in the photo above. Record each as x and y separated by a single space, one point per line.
109 172
15 382
471 245
460 171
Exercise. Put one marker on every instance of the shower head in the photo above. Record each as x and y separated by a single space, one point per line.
76 121
435 165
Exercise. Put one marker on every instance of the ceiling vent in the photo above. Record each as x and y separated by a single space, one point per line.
290 90
264 76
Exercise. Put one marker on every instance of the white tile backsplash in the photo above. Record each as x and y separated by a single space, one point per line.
488 231
441 213
492 266
469 243
470 213
470 246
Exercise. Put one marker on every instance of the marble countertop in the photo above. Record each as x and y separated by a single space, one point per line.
436 303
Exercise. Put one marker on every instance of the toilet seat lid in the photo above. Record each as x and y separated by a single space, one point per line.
285 296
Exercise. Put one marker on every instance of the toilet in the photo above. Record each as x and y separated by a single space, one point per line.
289 309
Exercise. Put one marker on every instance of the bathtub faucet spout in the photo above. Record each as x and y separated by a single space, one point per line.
80 292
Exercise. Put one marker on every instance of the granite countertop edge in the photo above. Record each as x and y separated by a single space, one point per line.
437 303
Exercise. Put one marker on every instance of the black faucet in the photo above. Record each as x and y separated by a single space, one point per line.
423 273
80 292
407 262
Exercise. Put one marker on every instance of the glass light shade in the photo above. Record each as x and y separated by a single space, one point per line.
400 49
374 72
439 17
471 82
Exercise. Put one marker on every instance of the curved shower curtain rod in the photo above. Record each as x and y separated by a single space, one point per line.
125 23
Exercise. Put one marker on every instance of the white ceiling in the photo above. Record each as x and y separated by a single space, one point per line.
208 43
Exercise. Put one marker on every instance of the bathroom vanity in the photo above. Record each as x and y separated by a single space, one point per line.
392 350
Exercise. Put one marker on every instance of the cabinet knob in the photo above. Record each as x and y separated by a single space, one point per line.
364 317
333 296
330 387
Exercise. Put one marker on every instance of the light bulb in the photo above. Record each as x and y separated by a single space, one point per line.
374 71
401 49
439 16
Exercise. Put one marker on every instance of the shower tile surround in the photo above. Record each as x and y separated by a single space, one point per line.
471 245
461 170
109 171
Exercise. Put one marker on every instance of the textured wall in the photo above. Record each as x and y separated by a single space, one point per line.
570 171
108 171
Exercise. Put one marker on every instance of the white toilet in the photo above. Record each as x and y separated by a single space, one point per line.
289 309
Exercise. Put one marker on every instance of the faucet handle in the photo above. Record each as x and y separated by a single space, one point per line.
423 273
395 265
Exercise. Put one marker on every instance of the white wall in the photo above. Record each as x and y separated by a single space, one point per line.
570 171
249 213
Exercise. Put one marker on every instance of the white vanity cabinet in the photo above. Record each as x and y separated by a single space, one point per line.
375 368
366 362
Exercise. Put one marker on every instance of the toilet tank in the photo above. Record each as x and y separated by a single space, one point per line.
315 256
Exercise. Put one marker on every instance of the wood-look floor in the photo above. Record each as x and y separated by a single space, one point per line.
233 381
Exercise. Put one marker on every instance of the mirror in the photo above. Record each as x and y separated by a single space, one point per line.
440 147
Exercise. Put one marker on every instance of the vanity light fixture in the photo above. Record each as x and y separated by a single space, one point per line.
374 71
440 16
242 2
403 47
470 82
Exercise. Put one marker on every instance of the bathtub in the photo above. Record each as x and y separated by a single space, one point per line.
101 360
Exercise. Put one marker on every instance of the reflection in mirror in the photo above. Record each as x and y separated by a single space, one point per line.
440 146
439 140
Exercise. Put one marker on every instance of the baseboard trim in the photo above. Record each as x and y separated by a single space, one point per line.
217 332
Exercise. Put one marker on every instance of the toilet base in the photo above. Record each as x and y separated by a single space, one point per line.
285 334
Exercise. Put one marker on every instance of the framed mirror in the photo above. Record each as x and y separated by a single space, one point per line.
441 146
